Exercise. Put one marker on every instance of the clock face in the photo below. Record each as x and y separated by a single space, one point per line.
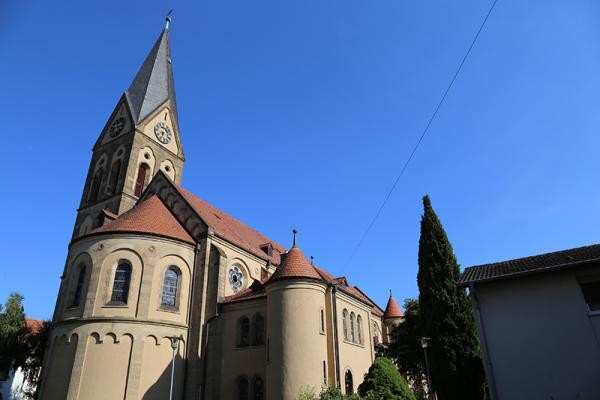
236 278
162 132
116 127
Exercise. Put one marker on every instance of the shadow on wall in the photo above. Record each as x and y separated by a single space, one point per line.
159 390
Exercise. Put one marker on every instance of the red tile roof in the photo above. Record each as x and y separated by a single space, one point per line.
151 217
232 230
393 310
34 325
294 265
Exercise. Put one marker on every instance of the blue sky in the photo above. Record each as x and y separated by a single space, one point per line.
301 114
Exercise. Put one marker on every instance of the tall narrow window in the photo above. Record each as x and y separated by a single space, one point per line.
79 288
375 334
243 332
345 323
348 383
169 289
352 335
324 373
120 292
115 172
242 388
322 321
258 391
141 179
95 187
259 330
359 336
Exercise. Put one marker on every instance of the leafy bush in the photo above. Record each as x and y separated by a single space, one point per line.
384 382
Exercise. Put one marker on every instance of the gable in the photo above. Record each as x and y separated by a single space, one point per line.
119 124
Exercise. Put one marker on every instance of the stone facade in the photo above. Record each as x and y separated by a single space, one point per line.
154 266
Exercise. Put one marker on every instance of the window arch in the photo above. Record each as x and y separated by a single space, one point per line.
141 179
243 332
170 288
359 326
95 187
259 330
258 388
349 384
242 388
345 323
375 334
120 291
352 328
79 287
115 172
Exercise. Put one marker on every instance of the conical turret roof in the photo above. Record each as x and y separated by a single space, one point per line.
153 84
294 265
392 310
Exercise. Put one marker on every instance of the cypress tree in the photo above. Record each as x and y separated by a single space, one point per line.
446 316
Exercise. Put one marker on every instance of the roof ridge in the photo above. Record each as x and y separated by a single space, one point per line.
556 252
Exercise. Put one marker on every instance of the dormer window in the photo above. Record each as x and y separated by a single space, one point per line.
267 248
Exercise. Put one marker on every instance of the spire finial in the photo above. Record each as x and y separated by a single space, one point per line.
390 292
312 260
294 231
168 19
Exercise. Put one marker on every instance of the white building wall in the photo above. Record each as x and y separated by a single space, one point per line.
541 340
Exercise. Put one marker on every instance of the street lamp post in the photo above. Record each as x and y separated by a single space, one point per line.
174 345
424 344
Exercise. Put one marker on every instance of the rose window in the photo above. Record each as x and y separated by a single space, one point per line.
236 278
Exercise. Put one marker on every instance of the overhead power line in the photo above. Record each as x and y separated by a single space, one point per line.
423 134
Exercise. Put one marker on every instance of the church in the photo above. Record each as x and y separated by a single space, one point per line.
164 293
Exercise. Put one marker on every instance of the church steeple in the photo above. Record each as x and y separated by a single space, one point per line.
140 138
153 85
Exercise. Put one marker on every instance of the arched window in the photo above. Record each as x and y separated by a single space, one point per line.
242 388
243 332
120 292
115 172
375 334
141 179
258 391
259 330
352 331
95 187
79 288
169 289
345 323
359 324
348 383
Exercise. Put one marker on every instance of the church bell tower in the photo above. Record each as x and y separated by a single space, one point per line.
140 138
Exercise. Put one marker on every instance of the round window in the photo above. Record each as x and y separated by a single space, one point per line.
236 278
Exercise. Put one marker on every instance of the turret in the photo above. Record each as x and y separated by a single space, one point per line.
392 316
297 344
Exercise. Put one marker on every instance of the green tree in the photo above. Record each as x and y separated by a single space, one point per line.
406 349
446 316
383 381
12 328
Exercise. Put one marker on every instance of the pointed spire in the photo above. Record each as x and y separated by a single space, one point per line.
392 310
153 84
294 232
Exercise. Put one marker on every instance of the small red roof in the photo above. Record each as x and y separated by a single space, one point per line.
294 265
151 216
232 230
392 310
